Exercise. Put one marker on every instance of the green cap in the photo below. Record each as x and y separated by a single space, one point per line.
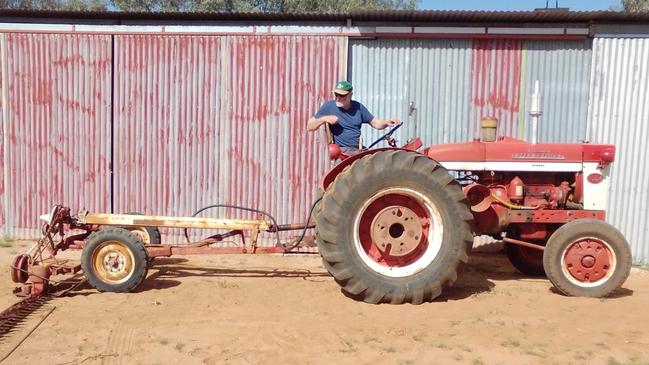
343 87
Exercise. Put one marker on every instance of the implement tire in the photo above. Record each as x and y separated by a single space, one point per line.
394 227
114 260
149 235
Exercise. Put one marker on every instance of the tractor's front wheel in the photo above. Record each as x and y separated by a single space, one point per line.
587 258
394 227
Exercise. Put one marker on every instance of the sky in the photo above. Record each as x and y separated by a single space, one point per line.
518 5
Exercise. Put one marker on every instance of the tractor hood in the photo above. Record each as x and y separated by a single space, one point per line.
510 154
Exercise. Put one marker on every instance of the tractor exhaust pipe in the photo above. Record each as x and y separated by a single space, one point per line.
535 110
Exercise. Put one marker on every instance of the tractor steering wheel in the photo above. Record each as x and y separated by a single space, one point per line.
386 136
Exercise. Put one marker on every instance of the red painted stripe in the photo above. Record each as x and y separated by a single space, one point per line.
495 83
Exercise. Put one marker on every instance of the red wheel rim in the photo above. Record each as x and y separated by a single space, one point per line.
588 261
398 232
384 230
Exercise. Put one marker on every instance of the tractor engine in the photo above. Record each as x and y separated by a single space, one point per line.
495 195
528 190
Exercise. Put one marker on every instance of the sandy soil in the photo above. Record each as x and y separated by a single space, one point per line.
287 310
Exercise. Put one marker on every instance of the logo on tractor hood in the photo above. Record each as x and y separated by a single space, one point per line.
538 156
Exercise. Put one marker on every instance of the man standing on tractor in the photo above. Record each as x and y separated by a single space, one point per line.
345 118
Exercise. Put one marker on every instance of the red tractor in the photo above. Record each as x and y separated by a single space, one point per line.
395 225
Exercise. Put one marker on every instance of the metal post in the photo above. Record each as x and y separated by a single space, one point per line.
535 110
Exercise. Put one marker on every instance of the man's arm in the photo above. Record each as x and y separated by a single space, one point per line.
315 123
383 123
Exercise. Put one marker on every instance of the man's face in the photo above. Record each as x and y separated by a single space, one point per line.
343 101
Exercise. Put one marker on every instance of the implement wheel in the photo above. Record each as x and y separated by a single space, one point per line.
114 260
394 227
148 235
20 268
587 258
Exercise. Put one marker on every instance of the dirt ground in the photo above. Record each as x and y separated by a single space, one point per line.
266 309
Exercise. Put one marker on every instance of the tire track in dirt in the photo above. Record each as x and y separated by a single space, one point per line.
119 344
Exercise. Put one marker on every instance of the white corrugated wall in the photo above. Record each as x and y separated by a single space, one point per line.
563 71
619 114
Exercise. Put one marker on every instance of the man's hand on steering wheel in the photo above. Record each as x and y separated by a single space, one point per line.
392 122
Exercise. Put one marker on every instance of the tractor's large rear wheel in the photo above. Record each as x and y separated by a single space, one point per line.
394 227
587 258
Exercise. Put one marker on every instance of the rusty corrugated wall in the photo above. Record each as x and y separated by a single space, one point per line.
203 120
57 126
619 114
495 83
4 229
168 154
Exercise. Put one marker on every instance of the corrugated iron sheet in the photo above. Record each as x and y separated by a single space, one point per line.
3 144
379 73
455 83
58 126
440 75
619 114
495 83
563 70
433 75
221 120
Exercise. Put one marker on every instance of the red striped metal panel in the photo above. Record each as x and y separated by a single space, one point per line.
167 123
58 127
495 83
202 120
3 173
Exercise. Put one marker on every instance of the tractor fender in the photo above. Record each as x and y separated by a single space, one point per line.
331 175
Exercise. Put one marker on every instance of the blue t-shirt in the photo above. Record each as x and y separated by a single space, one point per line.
348 129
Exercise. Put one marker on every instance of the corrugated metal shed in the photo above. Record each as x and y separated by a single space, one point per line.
57 119
455 83
563 71
495 83
432 74
221 120
619 114
4 94
379 73
194 120
440 77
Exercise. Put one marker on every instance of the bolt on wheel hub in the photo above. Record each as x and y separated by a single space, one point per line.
588 261
396 231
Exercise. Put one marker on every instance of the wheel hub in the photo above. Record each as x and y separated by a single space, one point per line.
396 231
113 262
587 260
